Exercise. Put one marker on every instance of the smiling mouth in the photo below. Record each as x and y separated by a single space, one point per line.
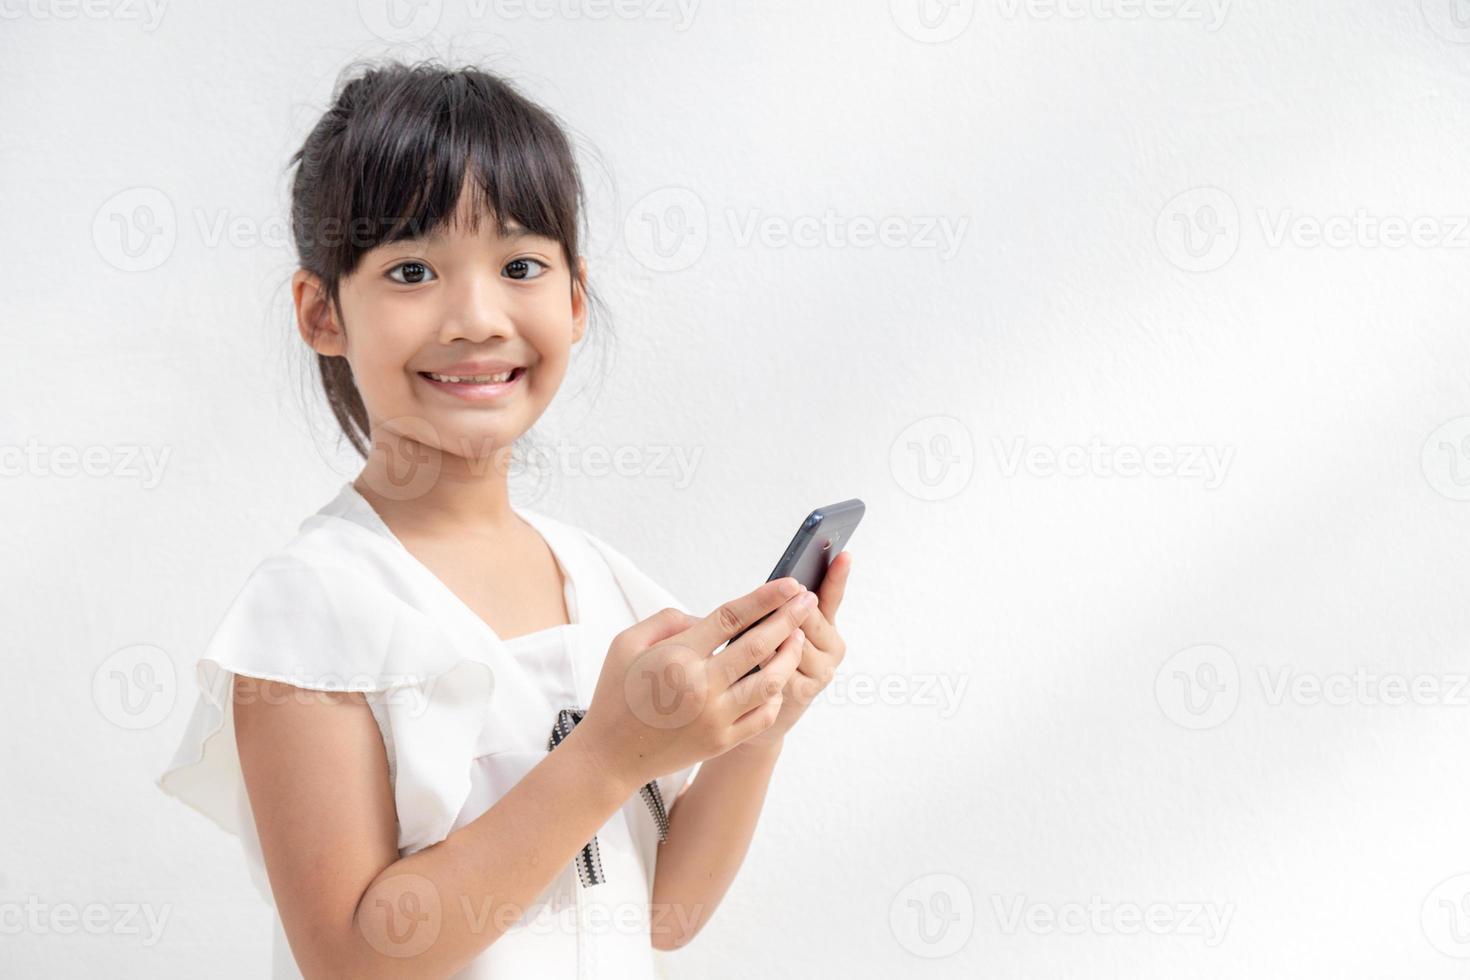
477 379
482 389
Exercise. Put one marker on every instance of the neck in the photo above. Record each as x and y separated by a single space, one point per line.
421 486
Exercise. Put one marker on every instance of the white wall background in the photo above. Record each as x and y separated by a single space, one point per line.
1085 754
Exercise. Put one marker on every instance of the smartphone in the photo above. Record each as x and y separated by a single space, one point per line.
819 539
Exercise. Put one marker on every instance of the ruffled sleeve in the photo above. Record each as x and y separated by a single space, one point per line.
319 624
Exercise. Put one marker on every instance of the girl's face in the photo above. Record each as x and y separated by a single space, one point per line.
457 304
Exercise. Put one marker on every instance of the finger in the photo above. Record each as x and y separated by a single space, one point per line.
803 689
737 615
751 692
757 719
656 628
815 663
820 633
834 586
761 640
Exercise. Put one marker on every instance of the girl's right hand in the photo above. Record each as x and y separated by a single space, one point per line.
663 702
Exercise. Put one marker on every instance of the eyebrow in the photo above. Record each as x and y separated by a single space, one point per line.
513 230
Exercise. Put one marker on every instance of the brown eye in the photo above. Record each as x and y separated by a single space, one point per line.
518 268
413 273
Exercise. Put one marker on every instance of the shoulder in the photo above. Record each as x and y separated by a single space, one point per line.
311 577
328 611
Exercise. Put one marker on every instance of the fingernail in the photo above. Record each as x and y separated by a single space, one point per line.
790 586
808 600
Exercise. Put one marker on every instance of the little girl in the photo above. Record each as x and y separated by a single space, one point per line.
457 737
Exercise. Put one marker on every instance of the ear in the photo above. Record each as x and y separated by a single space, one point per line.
579 300
316 321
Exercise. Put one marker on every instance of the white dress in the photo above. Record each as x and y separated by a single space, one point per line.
463 715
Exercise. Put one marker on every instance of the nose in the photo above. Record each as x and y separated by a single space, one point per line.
478 310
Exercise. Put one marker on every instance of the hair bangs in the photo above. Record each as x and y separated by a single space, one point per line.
443 153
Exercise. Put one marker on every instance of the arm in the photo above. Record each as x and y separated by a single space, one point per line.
317 777
711 823
710 827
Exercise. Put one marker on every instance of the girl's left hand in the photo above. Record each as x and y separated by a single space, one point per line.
822 650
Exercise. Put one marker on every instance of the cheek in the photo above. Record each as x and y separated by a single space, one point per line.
553 323
547 327
551 370
545 381
383 342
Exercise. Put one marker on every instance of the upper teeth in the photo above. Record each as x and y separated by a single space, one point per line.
477 378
